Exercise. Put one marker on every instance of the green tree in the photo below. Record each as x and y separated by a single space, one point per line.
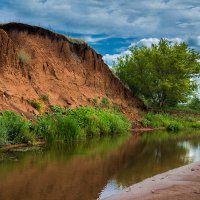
163 75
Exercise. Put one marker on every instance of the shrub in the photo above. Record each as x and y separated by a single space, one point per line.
14 129
44 97
23 57
35 104
58 110
105 102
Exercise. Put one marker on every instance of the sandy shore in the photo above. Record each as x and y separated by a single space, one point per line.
178 184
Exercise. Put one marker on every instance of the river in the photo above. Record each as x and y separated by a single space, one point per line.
94 168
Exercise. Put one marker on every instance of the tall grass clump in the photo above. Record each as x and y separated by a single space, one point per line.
57 127
23 57
14 129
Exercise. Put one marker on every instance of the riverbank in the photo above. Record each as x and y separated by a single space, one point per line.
181 183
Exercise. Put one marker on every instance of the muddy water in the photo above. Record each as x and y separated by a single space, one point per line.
92 169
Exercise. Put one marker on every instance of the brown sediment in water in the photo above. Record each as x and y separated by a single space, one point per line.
178 184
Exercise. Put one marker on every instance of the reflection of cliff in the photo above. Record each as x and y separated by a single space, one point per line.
83 177
69 71
150 159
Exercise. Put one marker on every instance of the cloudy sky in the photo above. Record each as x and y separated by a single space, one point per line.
111 26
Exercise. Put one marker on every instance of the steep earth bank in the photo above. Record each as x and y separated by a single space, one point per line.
68 70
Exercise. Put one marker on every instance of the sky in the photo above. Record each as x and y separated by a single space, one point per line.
111 26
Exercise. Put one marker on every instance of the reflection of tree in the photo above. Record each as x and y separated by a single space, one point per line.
194 143
147 159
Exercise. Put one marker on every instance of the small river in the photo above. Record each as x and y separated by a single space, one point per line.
92 169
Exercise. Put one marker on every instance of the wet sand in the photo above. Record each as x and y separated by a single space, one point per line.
178 184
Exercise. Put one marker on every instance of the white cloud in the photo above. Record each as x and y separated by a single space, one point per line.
109 59
121 18
146 42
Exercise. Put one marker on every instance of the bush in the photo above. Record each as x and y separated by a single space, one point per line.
14 129
35 104
58 110
44 97
105 102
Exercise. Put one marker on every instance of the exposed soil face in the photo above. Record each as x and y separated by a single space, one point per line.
71 73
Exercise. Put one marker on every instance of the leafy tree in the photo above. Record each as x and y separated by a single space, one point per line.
163 75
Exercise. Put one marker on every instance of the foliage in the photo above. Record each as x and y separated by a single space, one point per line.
35 104
58 109
44 97
14 129
105 102
162 75
23 57
194 104
57 127
66 124
96 121
171 123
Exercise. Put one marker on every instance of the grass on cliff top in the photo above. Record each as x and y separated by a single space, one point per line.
62 125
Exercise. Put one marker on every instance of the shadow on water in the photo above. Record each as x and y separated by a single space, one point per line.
92 169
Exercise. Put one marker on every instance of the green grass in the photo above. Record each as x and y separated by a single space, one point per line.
62 125
65 124
170 122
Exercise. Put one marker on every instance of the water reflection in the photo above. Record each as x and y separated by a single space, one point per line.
91 169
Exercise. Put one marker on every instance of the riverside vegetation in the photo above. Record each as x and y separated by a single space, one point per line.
170 122
162 66
62 124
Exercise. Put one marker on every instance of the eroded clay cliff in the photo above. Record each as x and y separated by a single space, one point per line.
70 72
